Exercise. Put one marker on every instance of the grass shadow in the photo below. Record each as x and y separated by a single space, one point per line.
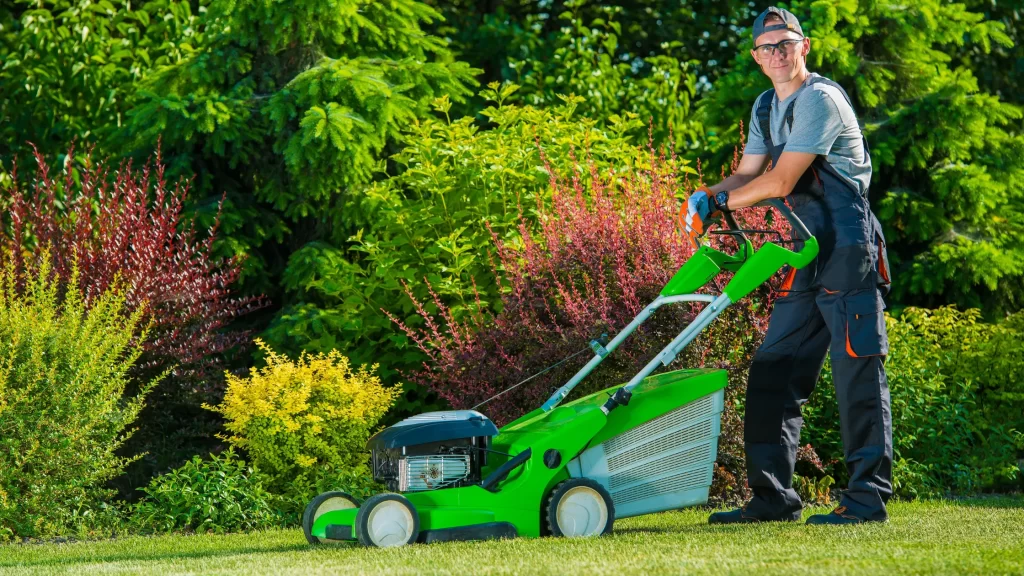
991 501
65 559
696 528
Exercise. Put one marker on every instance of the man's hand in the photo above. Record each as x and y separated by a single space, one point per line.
697 213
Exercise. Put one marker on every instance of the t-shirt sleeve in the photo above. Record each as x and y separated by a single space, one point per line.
817 124
755 139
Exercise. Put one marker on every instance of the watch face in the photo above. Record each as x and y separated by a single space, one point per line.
721 198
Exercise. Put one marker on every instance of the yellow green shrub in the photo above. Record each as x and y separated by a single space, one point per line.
64 412
297 418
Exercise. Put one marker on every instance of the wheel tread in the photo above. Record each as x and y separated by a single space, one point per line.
310 511
364 513
561 488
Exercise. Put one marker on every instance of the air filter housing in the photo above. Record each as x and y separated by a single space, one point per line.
416 473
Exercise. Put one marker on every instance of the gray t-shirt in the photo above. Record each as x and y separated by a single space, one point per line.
824 124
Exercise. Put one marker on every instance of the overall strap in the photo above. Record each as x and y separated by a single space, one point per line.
788 116
828 82
764 112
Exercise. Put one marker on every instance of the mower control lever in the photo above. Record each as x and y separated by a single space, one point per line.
619 398
734 228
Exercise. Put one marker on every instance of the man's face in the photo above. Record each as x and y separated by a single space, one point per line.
787 60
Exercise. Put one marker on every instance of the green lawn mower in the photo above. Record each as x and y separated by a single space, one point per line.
567 470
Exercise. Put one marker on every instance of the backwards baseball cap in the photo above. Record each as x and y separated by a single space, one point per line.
789 22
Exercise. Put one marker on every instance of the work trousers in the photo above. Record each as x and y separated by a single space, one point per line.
804 326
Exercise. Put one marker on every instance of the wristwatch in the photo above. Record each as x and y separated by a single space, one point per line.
721 200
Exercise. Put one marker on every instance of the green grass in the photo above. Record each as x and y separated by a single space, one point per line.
983 536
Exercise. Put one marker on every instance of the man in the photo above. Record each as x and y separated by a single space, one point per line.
807 128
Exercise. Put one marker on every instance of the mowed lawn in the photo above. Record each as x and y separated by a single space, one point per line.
981 536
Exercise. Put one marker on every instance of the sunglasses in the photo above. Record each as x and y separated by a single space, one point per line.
785 47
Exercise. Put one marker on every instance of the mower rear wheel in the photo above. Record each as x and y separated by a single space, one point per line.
326 502
580 507
387 520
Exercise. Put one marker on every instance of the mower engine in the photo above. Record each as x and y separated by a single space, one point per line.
432 451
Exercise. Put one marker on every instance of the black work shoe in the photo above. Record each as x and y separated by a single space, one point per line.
838 516
739 516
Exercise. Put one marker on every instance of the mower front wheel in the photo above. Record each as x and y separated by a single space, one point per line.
580 507
387 520
326 502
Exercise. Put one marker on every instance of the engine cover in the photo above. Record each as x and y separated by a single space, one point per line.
433 427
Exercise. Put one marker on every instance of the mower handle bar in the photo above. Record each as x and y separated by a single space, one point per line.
802 233
715 306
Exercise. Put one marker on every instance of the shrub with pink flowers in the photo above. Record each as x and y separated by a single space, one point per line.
602 248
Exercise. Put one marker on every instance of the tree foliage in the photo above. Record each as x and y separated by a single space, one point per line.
493 35
611 55
287 109
70 66
999 67
585 58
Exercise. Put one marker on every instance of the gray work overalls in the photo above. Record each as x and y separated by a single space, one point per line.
834 303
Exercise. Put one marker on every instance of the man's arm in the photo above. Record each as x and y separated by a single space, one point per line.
777 183
816 126
751 166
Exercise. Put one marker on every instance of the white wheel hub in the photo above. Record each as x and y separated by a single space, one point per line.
581 512
390 523
331 505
